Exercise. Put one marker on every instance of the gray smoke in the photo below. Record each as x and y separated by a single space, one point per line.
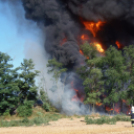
62 25
62 19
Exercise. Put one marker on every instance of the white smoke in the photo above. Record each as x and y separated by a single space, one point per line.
34 37
60 97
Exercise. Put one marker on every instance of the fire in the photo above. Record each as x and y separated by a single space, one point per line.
124 101
82 99
93 27
75 98
129 110
81 52
99 47
63 41
98 104
108 109
117 109
119 45
75 90
84 37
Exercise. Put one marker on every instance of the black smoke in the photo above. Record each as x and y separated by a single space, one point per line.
62 20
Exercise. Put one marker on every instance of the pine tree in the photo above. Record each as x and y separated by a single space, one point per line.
56 68
114 75
129 60
92 75
8 84
28 90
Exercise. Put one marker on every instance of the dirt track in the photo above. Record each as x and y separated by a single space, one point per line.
75 126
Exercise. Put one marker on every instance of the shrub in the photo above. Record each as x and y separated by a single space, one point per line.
121 118
25 110
6 113
46 106
101 120
25 120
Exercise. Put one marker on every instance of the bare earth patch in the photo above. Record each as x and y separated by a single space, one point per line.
72 126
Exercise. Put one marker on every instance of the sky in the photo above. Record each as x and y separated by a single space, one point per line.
17 33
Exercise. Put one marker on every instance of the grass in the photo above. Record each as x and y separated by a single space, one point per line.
39 117
39 120
106 119
99 121
24 122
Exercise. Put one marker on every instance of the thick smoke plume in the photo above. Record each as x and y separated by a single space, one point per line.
63 22
63 25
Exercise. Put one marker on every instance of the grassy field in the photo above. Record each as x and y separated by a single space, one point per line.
40 117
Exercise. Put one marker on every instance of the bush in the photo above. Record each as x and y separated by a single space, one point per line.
121 118
25 120
25 110
101 120
46 106
6 113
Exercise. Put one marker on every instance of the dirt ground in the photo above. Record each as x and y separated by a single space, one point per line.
72 126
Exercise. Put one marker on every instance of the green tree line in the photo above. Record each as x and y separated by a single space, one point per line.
108 78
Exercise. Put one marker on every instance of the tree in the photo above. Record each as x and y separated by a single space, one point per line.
114 75
56 68
28 90
129 60
8 84
92 75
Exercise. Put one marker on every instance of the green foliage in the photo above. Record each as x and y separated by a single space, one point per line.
129 61
114 75
106 119
43 95
122 118
55 67
39 120
6 113
8 84
89 50
92 75
46 104
47 107
25 110
100 121
26 81
24 122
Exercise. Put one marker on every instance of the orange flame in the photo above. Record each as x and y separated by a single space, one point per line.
75 98
82 99
108 109
119 45
84 37
117 109
99 47
129 110
93 27
124 101
81 52
63 41
98 104
76 90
